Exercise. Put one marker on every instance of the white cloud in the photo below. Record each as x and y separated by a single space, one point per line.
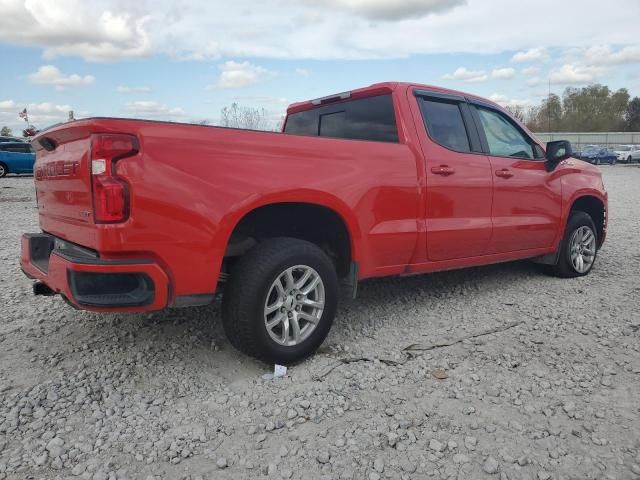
127 89
90 30
240 74
152 109
262 99
468 76
605 55
303 72
572 74
531 55
6 105
40 114
509 102
51 75
393 10
107 30
533 70
503 73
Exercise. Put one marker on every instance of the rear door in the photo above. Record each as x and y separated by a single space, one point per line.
527 200
459 181
24 158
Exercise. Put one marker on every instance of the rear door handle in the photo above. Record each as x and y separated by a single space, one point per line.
445 170
504 173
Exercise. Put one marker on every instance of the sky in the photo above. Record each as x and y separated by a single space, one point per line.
184 60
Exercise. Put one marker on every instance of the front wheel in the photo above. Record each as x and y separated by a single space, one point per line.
3 170
280 301
578 248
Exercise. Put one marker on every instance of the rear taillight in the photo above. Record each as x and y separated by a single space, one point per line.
110 193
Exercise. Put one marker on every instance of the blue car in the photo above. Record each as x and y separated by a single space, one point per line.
16 157
598 155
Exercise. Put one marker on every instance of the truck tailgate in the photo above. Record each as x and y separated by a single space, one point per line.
63 184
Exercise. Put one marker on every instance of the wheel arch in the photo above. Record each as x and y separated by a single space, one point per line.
303 203
595 206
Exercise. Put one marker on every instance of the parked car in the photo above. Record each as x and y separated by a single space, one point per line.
598 155
628 153
4 139
391 179
16 157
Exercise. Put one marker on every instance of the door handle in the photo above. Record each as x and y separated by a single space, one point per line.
445 170
504 173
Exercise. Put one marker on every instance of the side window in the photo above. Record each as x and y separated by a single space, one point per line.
370 118
445 125
504 139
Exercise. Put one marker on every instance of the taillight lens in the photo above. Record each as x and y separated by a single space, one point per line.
110 193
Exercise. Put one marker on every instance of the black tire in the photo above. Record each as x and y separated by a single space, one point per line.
246 293
564 268
3 170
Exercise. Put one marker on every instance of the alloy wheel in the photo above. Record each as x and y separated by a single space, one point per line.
582 249
294 305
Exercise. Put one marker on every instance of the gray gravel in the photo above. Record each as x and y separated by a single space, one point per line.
554 395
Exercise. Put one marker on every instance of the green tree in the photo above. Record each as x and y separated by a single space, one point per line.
548 116
632 116
5 131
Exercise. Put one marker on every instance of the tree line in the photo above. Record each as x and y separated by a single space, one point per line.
595 108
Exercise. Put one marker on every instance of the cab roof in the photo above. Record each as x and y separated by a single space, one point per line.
380 89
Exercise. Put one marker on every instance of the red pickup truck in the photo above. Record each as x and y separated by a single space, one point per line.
391 179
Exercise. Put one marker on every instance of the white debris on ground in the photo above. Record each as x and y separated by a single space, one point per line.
552 393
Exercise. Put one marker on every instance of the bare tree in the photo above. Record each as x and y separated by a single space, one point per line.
518 111
6 131
236 116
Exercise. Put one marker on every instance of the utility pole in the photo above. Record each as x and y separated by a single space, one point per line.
549 105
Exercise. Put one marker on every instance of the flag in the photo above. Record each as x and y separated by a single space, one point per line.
23 114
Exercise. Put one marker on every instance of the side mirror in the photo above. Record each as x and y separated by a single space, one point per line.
557 151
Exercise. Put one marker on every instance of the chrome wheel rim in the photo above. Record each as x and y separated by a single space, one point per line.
1 170
294 305
583 249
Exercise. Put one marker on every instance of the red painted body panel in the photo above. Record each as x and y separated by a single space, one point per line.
190 185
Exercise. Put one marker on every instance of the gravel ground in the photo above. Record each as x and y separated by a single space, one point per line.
541 380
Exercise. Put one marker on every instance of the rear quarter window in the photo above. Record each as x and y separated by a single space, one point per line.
370 118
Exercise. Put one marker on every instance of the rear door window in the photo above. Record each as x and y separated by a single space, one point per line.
445 124
370 118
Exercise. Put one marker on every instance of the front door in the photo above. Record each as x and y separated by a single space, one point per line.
459 182
527 200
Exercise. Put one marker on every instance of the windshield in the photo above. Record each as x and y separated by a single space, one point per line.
623 148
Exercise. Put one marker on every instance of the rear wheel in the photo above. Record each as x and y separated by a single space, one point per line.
578 248
3 170
280 301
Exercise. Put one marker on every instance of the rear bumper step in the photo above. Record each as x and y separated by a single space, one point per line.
90 282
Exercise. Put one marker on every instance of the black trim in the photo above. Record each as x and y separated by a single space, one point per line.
195 300
40 248
439 96
99 289
472 128
85 260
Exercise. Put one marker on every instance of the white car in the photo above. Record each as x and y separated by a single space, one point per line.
628 153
